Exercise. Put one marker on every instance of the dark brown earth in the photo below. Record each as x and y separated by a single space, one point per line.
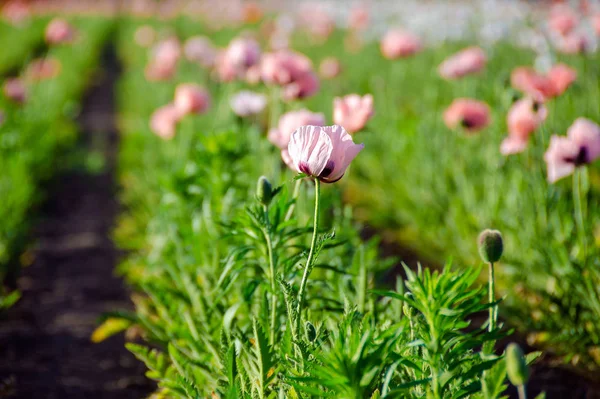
45 347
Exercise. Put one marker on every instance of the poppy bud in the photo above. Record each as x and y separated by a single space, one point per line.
516 366
264 191
490 245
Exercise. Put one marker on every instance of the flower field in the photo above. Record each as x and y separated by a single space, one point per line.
317 202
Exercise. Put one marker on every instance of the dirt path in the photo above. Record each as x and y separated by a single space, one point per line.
45 348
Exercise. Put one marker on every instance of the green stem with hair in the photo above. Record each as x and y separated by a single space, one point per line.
492 297
578 203
271 257
309 262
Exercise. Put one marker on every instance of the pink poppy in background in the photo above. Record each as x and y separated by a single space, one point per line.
241 54
562 19
43 68
465 62
59 31
144 36
156 71
323 152
252 12
247 103
315 20
15 11
572 43
359 18
561 76
167 51
14 89
352 111
532 83
163 121
201 50
190 98
524 117
291 121
398 43
291 70
595 20
581 146
472 115
253 75
329 68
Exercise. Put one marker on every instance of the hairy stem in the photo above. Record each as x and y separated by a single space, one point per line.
578 202
492 297
309 261
267 233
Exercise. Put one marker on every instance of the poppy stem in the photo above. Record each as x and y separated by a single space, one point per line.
295 195
578 203
267 234
309 262
492 298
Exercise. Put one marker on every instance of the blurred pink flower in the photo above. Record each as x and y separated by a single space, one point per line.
163 62
352 111
200 49
524 117
156 71
329 68
359 18
163 121
291 70
472 115
398 43
562 19
43 68
323 152
241 54
291 121
465 62
314 19
59 31
581 146
144 36
247 103
572 43
16 11
595 20
253 75
532 83
561 76
14 89
191 99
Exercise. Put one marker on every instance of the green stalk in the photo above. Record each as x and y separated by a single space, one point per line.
522 393
309 261
492 298
578 203
267 235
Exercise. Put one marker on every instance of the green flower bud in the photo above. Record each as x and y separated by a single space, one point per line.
311 331
516 367
490 245
264 191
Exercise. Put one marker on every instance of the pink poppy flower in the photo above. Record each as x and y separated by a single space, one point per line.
561 76
465 62
323 152
14 89
316 21
291 121
43 68
144 36
200 49
291 70
532 83
59 31
359 18
163 121
191 99
472 115
398 43
329 68
581 146
241 54
562 20
247 103
524 117
595 20
352 111
167 51
572 43
15 11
